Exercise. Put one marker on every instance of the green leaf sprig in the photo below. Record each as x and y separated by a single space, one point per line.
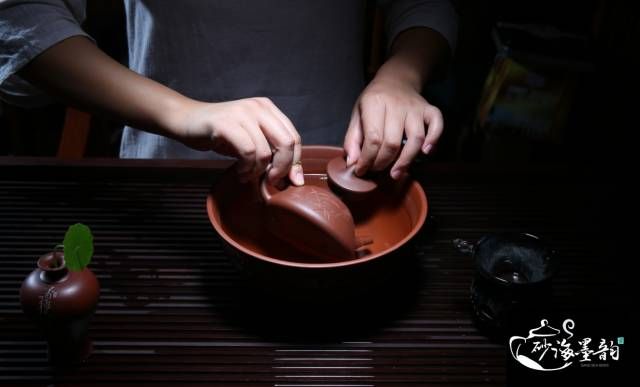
78 247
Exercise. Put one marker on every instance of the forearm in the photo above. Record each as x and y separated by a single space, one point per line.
415 55
249 129
81 74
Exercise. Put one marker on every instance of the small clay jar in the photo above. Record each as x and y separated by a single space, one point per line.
61 302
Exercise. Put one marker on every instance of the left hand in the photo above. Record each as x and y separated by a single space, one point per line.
386 110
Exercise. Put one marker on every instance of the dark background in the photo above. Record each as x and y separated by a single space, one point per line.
599 124
598 136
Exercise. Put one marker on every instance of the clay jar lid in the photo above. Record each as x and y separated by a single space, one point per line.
313 220
345 180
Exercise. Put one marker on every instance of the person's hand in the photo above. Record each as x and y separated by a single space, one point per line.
386 111
254 130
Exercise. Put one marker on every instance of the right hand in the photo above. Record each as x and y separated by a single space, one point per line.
253 130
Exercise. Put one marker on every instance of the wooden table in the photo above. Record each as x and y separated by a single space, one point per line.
169 311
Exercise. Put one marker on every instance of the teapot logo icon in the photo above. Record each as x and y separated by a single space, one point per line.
539 350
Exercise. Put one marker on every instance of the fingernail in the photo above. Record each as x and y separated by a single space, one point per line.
348 160
299 177
426 149
396 174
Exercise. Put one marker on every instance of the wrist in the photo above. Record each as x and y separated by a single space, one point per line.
172 114
396 70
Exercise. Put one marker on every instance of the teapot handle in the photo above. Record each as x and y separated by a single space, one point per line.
264 192
463 246
516 340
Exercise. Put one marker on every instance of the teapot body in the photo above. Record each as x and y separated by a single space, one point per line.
316 219
313 220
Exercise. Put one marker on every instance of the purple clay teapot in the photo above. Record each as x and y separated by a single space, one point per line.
313 220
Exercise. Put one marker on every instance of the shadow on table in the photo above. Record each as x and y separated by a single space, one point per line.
294 315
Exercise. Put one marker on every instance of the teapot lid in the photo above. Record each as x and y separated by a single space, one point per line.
544 330
345 178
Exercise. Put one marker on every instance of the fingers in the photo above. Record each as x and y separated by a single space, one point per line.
414 129
353 138
296 174
433 118
382 128
242 142
262 150
372 117
283 142
417 140
392 138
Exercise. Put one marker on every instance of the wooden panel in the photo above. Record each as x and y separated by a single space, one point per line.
75 134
